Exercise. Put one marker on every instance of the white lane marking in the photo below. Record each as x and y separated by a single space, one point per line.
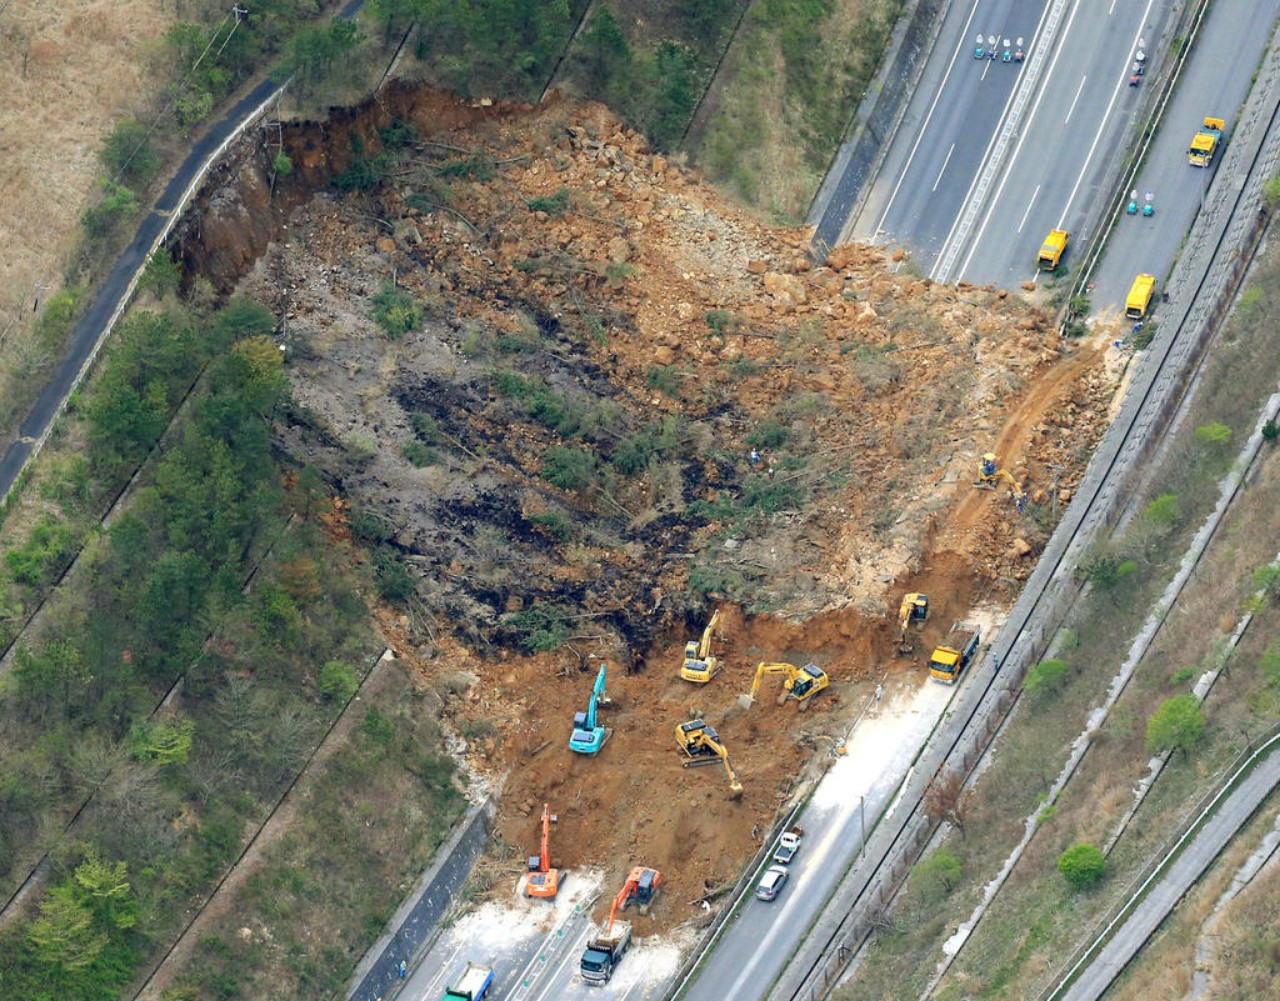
946 161
1075 100
1121 83
1036 41
1017 148
906 167
1028 212
1113 8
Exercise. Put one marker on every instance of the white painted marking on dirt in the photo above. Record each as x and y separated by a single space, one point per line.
945 161
1023 222
1075 100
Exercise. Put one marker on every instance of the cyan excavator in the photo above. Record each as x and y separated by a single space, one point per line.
699 666
989 473
543 880
799 683
701 745
588 733
914 609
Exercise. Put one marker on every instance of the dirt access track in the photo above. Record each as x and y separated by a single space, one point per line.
558 449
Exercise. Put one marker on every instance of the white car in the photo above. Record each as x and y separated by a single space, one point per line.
772 882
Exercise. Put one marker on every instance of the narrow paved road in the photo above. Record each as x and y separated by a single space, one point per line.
1232 814
113 295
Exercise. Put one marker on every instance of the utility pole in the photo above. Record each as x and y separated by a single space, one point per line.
1057 471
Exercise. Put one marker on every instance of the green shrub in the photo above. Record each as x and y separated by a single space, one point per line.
1082 866
1045 677
769 434
664 378
554 204
396 312
118 203
569 468
337 681
554 524
418 454
1176 725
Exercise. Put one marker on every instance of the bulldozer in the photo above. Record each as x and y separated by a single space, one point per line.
990 473
699 666
799 683
543 880
914 609
701 745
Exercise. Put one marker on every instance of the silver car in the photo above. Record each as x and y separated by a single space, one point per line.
772 882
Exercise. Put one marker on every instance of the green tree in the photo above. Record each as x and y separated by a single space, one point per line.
54 673
942 869
1045 677
1176 725
104 887
568 468
127 152
337 681
1214 434
163 742
1082 866
1164 510
64 935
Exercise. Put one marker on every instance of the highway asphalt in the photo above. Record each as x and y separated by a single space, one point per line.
759 940
990 163
1215 81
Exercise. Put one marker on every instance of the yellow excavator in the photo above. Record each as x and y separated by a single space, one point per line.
701 745
914 608
699 666
799 683
990 473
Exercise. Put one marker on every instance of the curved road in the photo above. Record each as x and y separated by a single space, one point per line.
113 296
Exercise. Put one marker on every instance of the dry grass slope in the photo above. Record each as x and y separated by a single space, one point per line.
70 71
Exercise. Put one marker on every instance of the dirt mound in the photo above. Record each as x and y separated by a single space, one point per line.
616 395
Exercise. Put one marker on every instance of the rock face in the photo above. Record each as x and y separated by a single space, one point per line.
235 227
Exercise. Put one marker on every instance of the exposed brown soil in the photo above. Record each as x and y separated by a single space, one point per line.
889 387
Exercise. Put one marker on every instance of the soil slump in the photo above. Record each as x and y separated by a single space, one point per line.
561 453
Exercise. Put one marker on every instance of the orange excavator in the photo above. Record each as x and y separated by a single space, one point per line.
641 886
543 880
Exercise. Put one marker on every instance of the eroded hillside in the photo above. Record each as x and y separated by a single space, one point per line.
552 427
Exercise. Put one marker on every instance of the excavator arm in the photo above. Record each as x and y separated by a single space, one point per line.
790 670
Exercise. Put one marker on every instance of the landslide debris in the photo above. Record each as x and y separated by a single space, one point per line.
595 398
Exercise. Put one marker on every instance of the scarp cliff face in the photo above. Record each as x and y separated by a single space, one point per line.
578 394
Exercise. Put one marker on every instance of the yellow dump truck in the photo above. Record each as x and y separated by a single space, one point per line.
1139 298
1051 251
1205 145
